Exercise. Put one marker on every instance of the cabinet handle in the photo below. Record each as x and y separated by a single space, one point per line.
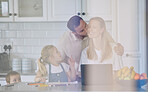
10 14
15 14
129 55
78 13
83 13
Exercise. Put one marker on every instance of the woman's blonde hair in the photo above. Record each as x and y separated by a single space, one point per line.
106 40
43 60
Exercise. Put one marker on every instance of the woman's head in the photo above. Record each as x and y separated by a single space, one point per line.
50 54
97 30
96 27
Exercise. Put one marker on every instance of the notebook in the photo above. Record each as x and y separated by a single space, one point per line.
96 74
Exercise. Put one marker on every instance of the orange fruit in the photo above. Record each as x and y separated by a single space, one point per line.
144 75
137 76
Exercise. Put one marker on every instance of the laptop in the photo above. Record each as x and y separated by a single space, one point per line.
96 74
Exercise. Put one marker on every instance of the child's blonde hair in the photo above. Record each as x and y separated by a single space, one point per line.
11 73
46 52
106 47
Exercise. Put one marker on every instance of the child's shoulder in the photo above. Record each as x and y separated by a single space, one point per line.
64 64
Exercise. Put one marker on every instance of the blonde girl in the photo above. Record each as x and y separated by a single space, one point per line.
50 67
101 45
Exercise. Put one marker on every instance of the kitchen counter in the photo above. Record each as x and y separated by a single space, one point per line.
3 74
25 77
73 87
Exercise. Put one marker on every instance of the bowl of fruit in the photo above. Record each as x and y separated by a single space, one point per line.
129 78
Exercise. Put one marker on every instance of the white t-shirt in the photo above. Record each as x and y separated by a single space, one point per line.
114 60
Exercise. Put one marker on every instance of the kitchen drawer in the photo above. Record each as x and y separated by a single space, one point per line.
27 78
2 81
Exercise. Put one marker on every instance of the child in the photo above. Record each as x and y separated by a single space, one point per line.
50 66
13 77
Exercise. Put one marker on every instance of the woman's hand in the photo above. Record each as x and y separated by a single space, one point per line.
119 49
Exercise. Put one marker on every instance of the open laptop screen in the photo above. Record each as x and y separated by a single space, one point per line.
96 74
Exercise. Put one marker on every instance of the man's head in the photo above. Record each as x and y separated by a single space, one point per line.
13 77
77 25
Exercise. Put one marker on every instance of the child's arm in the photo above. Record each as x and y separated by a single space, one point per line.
72 72
39 77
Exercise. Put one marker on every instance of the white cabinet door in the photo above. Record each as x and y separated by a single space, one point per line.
3 81
27 78
30 10
62 10
128 33
6 10
97 8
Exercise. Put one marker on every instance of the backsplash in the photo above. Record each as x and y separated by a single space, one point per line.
29 38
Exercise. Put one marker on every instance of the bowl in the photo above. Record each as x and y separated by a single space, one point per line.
132 83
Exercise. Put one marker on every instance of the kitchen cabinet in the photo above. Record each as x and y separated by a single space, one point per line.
62 10
27 78
6 10
53 10
24 78
2 81
23 10
98 8
130 32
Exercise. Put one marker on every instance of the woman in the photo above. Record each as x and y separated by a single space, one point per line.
101 45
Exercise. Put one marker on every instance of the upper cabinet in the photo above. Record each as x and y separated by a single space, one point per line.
30 10
23 10
99 8
6 10
53 10
62 10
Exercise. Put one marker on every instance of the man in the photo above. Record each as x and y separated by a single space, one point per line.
74 41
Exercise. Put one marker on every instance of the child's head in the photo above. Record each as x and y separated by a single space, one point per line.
13 77
51 55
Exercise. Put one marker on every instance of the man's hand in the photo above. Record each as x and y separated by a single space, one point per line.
119 49
71 62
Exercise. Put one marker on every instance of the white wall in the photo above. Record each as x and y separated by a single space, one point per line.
29 38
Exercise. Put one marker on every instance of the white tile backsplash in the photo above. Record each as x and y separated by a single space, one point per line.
16 26
31 42
54 34
24 49
8 34
23 34
38 34
29 38
46 25
4 26
36 50
31 25
47 41
18 42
